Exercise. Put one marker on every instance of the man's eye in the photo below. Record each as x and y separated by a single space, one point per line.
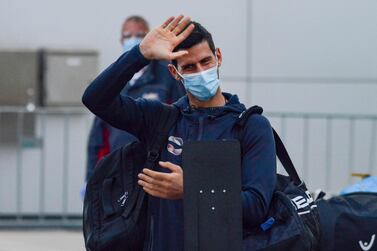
188 67
140 35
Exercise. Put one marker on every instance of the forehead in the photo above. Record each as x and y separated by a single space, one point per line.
133 27
195 54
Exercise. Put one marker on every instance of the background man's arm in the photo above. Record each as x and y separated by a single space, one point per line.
102 97
98 145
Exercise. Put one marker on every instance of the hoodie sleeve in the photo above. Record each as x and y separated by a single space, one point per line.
258 170
102 96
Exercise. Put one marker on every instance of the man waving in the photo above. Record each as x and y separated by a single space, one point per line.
206 113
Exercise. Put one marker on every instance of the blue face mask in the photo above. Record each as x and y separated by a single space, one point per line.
202 85
129 43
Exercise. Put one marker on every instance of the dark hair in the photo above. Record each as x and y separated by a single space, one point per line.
198 35
137 19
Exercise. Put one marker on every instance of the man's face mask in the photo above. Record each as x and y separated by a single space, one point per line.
129 43
202 85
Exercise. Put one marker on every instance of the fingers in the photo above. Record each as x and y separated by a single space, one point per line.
150 186
148 179
182 25
172 167
163 185
167 22
175 22
155 193
177 25
155 175
175 55
184 34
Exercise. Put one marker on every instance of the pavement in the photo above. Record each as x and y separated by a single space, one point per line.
41 240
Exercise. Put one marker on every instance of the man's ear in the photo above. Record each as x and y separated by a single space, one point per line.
173 72
219 56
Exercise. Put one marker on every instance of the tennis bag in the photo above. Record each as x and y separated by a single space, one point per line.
115 214
349 222
292 222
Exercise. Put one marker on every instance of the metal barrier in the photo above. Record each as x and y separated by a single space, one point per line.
40 140
354 136
42 166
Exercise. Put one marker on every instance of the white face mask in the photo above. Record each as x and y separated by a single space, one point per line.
202 85
129 43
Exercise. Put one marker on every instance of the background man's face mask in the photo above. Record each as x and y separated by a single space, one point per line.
129 43
202 85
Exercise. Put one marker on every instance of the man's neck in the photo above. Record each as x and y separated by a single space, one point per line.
216 101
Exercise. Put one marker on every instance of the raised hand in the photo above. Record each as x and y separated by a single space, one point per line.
160 42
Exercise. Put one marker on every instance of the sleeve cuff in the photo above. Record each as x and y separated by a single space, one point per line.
135 55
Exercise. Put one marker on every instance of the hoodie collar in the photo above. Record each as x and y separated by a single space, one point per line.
232 106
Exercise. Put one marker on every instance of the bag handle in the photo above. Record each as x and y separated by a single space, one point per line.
285 159
281 151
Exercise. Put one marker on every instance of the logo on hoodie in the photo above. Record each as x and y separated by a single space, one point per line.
175 145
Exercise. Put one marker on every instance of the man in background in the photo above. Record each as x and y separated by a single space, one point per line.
153 82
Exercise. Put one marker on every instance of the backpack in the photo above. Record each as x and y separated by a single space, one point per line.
349 222
292 222
115 214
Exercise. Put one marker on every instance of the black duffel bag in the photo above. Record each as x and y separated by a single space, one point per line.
292 222
349 222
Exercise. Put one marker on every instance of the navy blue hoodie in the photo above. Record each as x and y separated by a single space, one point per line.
139 117
155 83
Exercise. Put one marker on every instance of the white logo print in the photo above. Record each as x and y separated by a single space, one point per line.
175 145
367 246
301 202
151 96
123 199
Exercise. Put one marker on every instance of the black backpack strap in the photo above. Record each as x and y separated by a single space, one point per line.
168 116
285 160
281 151
243 118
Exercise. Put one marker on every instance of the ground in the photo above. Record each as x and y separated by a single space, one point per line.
41 240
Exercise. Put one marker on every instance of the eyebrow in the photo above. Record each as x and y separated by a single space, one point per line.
201 60
206 59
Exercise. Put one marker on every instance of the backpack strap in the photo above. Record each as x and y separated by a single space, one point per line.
281 151
168 116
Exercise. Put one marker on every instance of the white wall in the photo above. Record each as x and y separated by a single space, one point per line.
285 55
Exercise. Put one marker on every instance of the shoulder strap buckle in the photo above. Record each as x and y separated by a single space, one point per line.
153 156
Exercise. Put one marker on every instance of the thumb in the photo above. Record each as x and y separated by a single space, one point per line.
177 54
168 165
